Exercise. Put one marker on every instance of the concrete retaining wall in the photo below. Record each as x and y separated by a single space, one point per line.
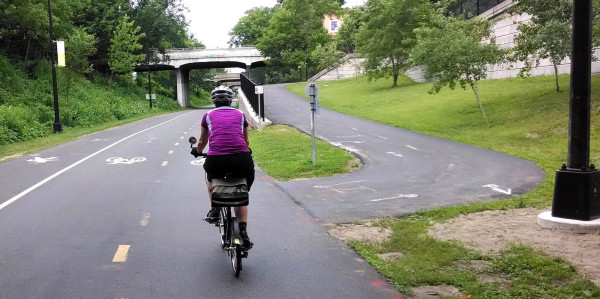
251 115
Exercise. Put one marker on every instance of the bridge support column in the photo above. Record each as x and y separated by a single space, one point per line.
183 87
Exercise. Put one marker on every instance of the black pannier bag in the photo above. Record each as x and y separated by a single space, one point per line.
230 192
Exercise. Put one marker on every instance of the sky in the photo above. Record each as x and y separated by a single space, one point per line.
211 21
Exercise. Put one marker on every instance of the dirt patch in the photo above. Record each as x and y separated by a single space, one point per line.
432 292
360 232
490 231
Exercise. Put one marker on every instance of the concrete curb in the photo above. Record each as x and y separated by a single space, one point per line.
545 220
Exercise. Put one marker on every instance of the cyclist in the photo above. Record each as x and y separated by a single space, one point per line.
226 130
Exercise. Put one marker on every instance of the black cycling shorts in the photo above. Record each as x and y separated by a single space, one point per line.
238 165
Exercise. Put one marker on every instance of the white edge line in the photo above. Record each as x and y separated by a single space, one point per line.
14 198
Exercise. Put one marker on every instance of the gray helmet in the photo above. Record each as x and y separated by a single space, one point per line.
221 94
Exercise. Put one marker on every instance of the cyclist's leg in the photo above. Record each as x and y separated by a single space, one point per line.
241 213
213 214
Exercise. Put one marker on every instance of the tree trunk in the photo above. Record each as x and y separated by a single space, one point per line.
474 87
109 81
395 79
556 76
27 53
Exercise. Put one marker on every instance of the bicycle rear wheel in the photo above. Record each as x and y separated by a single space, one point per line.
236 247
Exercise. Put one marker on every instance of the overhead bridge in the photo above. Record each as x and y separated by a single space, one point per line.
184 60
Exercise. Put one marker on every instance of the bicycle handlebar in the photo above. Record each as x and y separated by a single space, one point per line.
192 140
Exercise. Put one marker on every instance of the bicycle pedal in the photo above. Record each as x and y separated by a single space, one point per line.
214 221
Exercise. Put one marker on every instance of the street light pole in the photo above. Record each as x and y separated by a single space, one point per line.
57 125
577 185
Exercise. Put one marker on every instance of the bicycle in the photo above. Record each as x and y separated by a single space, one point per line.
228 192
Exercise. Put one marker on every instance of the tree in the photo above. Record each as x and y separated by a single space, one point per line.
546 36
124 48
456 50
295 30
163 24
101 20
346 38
251 27
24 24
79 47
327 56
387 35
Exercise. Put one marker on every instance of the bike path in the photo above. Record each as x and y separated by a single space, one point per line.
402 171
137 186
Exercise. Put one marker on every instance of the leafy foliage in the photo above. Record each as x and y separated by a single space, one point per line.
327 56
546 36
346 38
451 51
387 35
163 23
251 27
295 30
125 44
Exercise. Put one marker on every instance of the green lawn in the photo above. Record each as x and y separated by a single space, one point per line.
528 119
285 153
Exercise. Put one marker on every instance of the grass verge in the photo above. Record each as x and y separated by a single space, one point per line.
285 153
528 119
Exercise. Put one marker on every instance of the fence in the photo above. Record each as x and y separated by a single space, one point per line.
248 89
471 8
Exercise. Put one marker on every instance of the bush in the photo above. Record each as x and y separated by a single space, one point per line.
27 103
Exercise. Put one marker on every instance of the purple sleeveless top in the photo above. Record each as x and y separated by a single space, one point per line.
225 127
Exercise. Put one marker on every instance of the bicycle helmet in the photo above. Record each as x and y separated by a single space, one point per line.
221 94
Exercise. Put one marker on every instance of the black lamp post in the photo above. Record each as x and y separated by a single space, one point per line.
57 125
577 185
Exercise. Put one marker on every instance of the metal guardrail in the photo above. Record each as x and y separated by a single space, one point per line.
248 89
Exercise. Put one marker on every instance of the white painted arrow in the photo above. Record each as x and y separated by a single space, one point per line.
495 188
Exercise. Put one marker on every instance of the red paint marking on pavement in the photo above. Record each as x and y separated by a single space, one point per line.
319 221
267 178
378 283
307 219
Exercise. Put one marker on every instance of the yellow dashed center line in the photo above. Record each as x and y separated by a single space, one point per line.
165 163
121 254
170 152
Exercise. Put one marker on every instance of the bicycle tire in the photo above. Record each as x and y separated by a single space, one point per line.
236 247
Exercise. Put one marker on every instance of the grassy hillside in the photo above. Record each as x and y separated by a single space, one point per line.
26 101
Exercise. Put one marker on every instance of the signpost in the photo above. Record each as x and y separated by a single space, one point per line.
57 126
312 90
258 90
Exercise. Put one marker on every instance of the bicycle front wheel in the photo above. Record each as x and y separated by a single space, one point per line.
236 247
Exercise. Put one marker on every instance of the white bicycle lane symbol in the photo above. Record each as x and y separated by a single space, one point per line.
119 160
198 162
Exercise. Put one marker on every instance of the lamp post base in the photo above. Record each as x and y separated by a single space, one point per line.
57 128
577 194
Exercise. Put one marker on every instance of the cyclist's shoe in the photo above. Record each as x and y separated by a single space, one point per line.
213 216
246 240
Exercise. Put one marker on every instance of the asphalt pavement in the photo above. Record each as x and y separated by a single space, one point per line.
403 171
118 214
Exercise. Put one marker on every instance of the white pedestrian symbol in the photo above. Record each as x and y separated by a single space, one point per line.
38 160
119 160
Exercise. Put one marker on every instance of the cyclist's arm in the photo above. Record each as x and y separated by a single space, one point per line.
246 136
203 140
